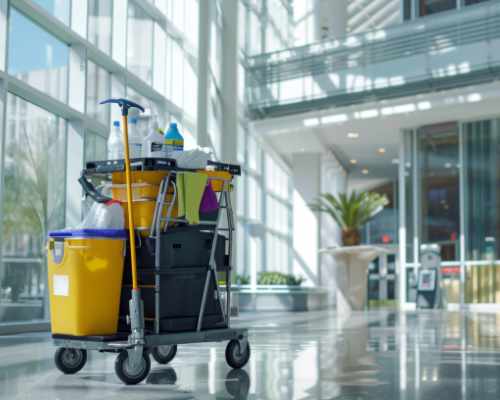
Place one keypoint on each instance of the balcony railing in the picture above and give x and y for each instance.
(440, 52)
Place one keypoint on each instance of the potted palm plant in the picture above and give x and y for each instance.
(351, 212)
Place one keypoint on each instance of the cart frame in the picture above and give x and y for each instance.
(138, 343)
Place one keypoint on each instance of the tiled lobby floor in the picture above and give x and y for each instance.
(374, 355)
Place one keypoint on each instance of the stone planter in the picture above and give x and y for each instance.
(282, 298)
(351, 274)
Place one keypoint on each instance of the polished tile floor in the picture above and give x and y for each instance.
(317, 355)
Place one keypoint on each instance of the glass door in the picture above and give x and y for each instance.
(438, 199)
(482, 211)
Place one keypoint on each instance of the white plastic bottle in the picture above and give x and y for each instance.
(134, 139)
(152, 144)
(115, 142)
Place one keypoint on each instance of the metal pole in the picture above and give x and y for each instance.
(128, 179)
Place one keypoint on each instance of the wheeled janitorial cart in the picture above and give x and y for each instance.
(165, 282)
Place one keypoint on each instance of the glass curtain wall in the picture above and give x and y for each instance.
(40, 145)
(264, 203)
(452, 175)
(33, 203)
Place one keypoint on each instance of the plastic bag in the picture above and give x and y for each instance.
(104, 216)
(190, 159)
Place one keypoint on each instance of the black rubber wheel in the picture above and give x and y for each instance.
(122, 369)
(235, 356)
(164, 354)
(70, 361)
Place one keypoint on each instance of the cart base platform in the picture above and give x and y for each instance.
(120, 341)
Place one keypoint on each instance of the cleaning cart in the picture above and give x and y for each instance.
(176, 281)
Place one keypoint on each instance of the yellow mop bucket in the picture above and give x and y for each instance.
(85, 269)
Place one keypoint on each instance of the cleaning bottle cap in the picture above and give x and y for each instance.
(116, 123)
(173, 125)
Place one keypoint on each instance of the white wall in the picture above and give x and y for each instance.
(315, 173)
(306, 180)
(333, 180)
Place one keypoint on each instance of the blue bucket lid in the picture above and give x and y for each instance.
(90, 233)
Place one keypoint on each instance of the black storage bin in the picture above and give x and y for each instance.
(181, 290)
(185, 254)
(180, 247)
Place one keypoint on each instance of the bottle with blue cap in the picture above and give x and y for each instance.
(134, 139)
(115, 142)
(173, 140)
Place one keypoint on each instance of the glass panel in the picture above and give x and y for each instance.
(407, 9)
(95, 147)
(482, 177)
(428, 7)
(439, 182)
(482, 210)
(482, 283)
(450, 284)
(100, 24)
(254, 199)
(58, 8)
(408, 176)
(383, 228)
(33, 204)
(44, 63)
(470, 2)
(140, 43)
(98, 89)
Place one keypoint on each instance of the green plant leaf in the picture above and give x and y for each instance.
(350, 211)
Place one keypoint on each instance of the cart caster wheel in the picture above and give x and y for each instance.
(237, 357)
(70, 361)
(164, 354)
(126, 374)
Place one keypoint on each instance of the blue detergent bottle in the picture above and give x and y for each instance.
(173, 140)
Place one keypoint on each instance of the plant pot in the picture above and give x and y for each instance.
(351, 237)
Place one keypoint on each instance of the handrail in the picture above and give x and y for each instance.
(421, 42)
(405, 31)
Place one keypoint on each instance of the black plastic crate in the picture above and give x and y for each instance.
(180, 248)
(181, 291)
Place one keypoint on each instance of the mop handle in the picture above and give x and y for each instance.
(125, 105)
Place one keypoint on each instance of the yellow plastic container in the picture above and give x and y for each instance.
(218, 184)
(143, 213)
(151, 177)
(85, 277)
(140, 191)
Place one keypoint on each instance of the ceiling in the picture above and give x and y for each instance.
(378, 125)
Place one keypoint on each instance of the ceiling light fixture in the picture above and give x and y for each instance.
(364, 171)
(353, 135)
(329, 119)
(381, 150)
(353, 161)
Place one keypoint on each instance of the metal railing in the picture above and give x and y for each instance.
(442, 51)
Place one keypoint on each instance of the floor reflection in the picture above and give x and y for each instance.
(373, 355)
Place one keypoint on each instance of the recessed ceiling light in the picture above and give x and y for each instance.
(381, 150)
(334, 118)
(364, 171)
(353, 135)
(353, 161)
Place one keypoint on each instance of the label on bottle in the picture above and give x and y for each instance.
(155, 147)
(173, 145)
